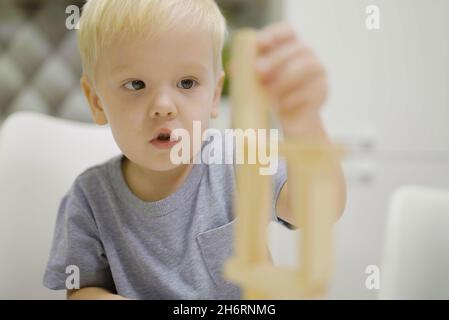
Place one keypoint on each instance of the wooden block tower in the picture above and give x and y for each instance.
(309, 180)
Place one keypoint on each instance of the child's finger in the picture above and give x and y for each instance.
(274, 35)
(276, 59)
(296, 75)
(308, 97)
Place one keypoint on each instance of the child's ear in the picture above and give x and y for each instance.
(217, 95)
(96, 108)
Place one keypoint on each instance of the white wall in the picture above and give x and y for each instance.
(390, 89)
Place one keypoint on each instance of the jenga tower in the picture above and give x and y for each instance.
(309, 180)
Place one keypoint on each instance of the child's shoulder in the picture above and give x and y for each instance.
(99, 171)
(94, 179)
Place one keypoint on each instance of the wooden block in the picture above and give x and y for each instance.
(310, 166)
(253, 197)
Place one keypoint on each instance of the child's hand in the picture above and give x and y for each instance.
(294, 77)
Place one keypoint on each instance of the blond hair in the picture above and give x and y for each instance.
(104, 22)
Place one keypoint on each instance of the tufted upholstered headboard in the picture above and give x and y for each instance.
(39, 60)
(40, 65)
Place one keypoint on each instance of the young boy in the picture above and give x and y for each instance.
(139, 226)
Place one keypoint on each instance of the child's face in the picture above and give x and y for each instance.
(168, 82)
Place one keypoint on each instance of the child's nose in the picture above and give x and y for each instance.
(163, 113)
(163, 107)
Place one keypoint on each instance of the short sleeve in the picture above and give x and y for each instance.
(279, 180)
(76, 242)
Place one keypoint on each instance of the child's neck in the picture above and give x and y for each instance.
(150, 185)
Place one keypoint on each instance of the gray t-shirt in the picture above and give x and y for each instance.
(174, 248)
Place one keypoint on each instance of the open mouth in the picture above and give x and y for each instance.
(164, 139)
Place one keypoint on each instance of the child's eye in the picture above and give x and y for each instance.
(187, 84)
(135, 85)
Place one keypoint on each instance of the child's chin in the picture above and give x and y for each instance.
(164, 166)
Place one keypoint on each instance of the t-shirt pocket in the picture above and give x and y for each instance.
(217, 247)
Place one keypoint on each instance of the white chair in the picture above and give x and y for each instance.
(416, 250)
(40, 157)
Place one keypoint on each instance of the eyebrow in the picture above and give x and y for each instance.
(186, 65)
(195, 65)
(121, 68)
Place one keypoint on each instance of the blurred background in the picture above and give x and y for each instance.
(389, 104)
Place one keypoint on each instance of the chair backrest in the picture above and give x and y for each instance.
(416, 249)
(40, 157)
